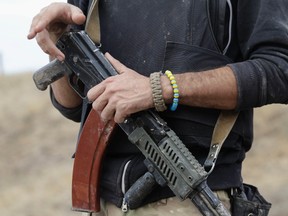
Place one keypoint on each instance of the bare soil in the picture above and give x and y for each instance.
(37, 144)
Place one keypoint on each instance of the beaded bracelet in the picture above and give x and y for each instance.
(174, 105)
(157, 91)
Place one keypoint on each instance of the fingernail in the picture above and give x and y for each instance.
(60, 58)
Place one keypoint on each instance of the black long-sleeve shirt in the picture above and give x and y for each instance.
(259, 48)
(149, 35)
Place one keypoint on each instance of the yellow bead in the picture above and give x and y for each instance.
(172, 78)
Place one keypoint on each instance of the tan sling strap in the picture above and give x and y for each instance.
(93, 22)
(223, 126)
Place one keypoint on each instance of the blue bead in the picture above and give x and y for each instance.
(173, 106)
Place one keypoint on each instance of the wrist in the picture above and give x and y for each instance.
(64, 94)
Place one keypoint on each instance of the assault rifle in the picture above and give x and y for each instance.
(168, 161)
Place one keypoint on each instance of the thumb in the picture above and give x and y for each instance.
(63, 13)
(77, 15)
(119, 67)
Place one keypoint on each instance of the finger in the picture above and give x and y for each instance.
(119, 117)
(77, 16)
(119, 67)
(60, 12)
(99, 104)
(95, 92)
(108, 112)
(48, 46)
(42, 20)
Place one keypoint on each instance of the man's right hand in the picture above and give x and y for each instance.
(50, 23)
(47, 26)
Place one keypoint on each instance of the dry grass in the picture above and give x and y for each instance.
(37, 144)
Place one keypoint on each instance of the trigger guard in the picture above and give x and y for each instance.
(75, 83)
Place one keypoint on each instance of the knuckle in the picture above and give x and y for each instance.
(122, 69)
(96, 106)
(111, 91)
(105, 115)
(40, 40)
(118, 119)
(124, 107)
(110, 79)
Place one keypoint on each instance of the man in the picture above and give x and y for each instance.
(230, 58)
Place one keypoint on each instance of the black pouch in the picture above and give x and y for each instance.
(249, 202)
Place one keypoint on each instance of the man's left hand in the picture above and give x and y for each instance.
(121, 95)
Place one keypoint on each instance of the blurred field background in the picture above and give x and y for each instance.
(37, 143)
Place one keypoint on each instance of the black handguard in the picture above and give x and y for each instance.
(167, 158)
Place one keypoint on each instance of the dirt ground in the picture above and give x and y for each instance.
(37, 143)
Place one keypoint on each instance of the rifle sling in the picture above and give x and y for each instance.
(223, 126)
(92, 26)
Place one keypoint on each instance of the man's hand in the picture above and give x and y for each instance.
(50, 23)
(47, 26)
(121, 95)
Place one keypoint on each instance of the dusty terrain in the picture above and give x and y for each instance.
(37, 143)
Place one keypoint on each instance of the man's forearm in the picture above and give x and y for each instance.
(209, 89)
(64, 94)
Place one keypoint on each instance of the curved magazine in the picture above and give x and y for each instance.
(92, 143)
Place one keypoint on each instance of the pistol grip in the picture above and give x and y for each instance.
(49, 73)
